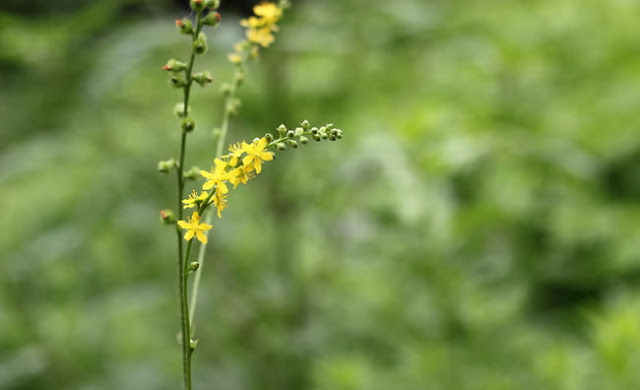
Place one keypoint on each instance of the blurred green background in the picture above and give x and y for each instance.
(477, 228)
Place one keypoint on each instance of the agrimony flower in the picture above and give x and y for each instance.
(216, 177)
(194, 228)
(195, 200)
(256, 154)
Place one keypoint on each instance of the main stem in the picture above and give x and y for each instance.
(183, 275)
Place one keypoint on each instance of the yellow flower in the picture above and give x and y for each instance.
(216, 177)
(220, 201)
(256, 154)
(241, 175)
(194, 199)
(270, 12)
(261, 36)
(252, 22)
(260, 28)
(195, 228)
(234, 58)
(236, 150)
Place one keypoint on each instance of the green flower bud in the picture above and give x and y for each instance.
(239, 78)
(178, 110)
(177, 81)
(329, 126)
(192, 174)
(164, 167)
(184, 26)
(217, 132)
(268, 137)
(304, 140)
(292, 143)
(193, 343)
(212, 19)
(174, 65)
(316, 137)
(299, 131)
(198, 5)
(202, 78)
(282, 129)
(200, 43)
(213, 4)
(194, 265)
(332, 137)
(188, 124)
(281, 146)
(233, 107)
(290, 133)
(167, 217)
(225, 89)
(314, 130)
(305, 124)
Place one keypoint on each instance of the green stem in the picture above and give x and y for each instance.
(183, 261)
(226, 116)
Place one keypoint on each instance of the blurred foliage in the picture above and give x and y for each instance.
(477, 228)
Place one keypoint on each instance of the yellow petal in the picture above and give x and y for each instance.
(189, 235)
(201, 237)
(184, 225)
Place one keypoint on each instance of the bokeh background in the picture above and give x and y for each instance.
(477, 228)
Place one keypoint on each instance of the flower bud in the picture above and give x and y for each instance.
(239, 78)
(290, 133)
(225, 89)
(184, 26)
(194, 265)
(304, 140)
(165, 166)
(316, 137)
(212, 19)
(167, 217)
(192, 174)
(281, 146)
(197, 5)
(178, 110)
(282, 129)
(213, 4)
(329, 126)
(292, 143)
(234, 107)
(299, 131)
(188, 124)
(202, 78)
(193, 344)
(174, 65)
(314, 130)
(332, 137)
(268, 137)
(200, 43)
(305, 124)
(177, 81)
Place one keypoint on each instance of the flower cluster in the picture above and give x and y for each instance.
(237, 167)
(243, 162)
(260, 29)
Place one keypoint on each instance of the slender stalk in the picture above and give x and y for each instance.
(226, 117)
(182, 262)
